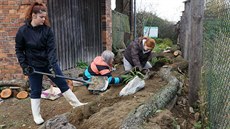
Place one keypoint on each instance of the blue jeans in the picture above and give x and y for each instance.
(36, 81)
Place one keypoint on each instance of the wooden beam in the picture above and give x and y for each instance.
(195, 53)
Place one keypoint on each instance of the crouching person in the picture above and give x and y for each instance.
(102, 66)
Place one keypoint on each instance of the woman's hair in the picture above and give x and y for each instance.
(149, 41)
(107, 55)
(36, 8)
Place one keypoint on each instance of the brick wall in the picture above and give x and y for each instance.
(106, 20)
(12, 17)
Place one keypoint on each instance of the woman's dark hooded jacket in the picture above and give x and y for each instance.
(134, 54)
(35, 46)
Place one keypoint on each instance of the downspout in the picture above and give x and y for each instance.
(135, 34)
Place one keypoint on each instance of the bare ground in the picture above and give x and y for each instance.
(104, 111)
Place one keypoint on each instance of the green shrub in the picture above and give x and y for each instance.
(168, 42)
(158, 40)
(162, 44)
(82, 65)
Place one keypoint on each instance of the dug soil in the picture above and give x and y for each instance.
(103, 111)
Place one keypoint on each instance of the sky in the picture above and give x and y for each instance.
(170, 10)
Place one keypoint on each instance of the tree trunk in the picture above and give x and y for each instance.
(135, 118)
(195, 52)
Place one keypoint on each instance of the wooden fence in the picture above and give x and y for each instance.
(77, 28)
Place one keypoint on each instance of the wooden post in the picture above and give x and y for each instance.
(195, 53)
(187, 31)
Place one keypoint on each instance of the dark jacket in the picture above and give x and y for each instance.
(134, 54)
(35, 46)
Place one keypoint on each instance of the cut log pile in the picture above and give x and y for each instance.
(173, 57)
(13, 91)
(19, 88)
(13, 88)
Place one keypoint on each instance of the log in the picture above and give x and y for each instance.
(14, 82)
(164, 55)
(23, 84)
(6, 93)
(22, 95)
(136, 117)
(14, 92)
(180, 64)
(177, 53)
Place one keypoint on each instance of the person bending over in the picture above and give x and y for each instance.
(138, 54)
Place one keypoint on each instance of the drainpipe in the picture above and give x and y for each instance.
(135, 21)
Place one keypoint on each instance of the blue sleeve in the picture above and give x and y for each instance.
(114, 80)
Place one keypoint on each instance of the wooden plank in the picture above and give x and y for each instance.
(195, 53)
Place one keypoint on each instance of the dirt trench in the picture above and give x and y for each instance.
(104, 111)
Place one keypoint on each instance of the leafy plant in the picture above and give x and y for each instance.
(164, 60)
(162, 44)
(198, 125)
(153, 61)
(131, 74)
(82, 65)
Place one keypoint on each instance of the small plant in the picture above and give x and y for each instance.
(82, 65)
(162, 44)
(198, 125)
(164, 60)
(153, 61)
(131, 74)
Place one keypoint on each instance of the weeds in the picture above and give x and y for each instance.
(81, 65)
(162, 44)
(130, 75)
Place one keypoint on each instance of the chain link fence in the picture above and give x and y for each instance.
(216, 62)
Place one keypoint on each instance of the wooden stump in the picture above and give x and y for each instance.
(6, 93)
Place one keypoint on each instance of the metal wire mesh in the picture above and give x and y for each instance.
(216, 62)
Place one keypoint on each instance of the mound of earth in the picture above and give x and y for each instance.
(104, 111)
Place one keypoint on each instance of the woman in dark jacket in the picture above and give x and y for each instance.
(35, 47)
(138, 53)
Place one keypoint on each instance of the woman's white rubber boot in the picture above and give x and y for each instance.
(35, 106)
(72, 99)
